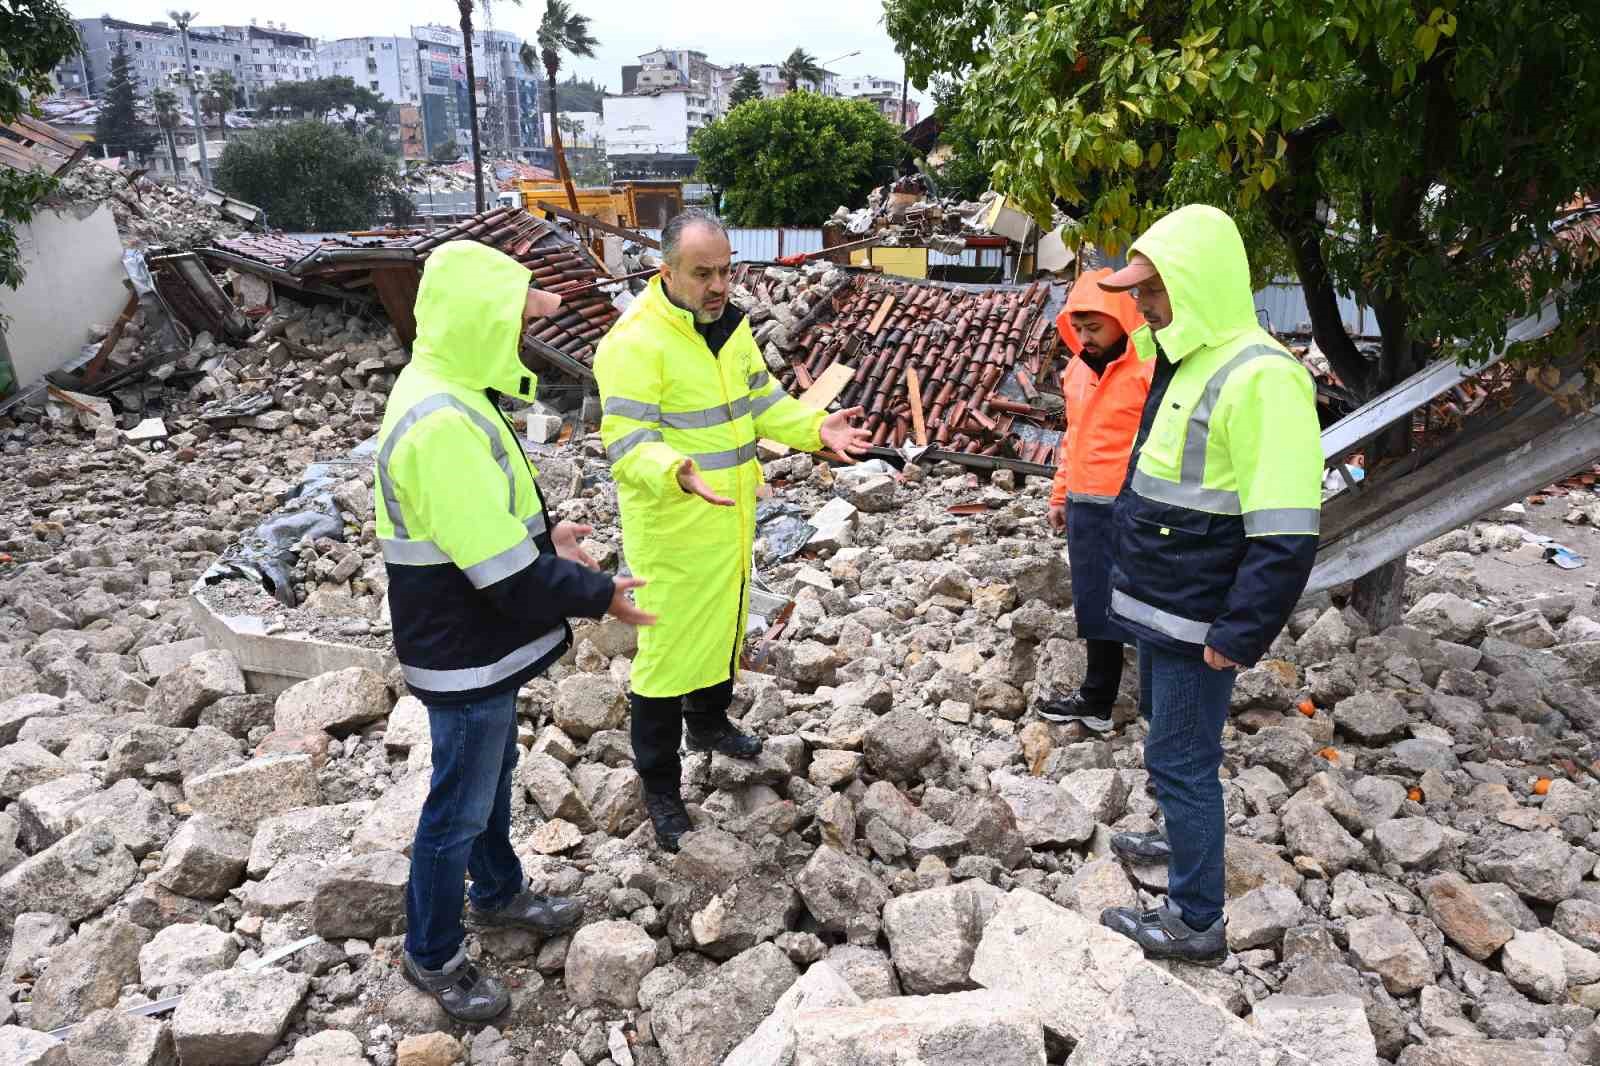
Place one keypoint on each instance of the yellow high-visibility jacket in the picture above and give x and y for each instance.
(669, 394)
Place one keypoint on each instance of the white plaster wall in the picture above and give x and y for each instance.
(74, 281)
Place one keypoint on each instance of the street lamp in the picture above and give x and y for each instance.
(183, 18)
(847, 55)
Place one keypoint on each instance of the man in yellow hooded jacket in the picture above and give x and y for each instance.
(480, 587)
(685, 396)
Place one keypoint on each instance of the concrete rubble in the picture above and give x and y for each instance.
(914, 864)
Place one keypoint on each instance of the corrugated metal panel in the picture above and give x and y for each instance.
(750, 244)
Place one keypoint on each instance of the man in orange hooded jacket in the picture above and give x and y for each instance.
(1105, 386)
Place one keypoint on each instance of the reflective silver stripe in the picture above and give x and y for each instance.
(497, 568)
(725, 460)
(759, 380)
(1175, 626)
(766, 403)
(1194, 497)
(1089, 497)
(412, 553)
(426, 407)
(535, 525)
(627, 444)
(719, 415)
(639, 412)
(1283, 521)
(472, 677)
(1198, 436)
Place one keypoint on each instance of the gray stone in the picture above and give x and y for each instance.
(1471, 1051)
(838, 887)
(588, 703)
(130, 752)
(606, 962)
(1287, 751)
(76, 877)
(1370, 717)
(773, 1042)
(1386, 945)
(1540, 866)
(868, 970)
(1314, 833)
(159, 660)
(336, 702)
(1463, 917)
(1047, 814)
(1419, 756)
(311, 832)
(29, 1047)
(1536, 965)
(1448, 617)
(32, 937)
(1413, 843)
(245, 795)
(179, 955)
(207, 748)
(990, 829)
(233, 1018)
(1380, 799)
(363, 897)
(1099, 884)
(206, 678)
(204, 859)
(934, 933)
(1327, 791)
(1073, 964)
(43, 811)
(140, 821)
(112, 1038)
(25, 765)
(1250, 864)
(706, 1019)
(1259, 918)
(1579, 921)
(238, 715)
(1327, 1030)
(87, 973)
(992, 1028)
(898, 745)
(1327, 637)
(552, 788)
(19, 710)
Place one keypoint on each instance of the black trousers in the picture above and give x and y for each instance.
(657, 730)
(1103, 678)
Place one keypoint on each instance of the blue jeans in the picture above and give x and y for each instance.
(465, 825)
(1186, 704)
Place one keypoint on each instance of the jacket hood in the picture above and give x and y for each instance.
(469, 319)
(1087, 295)
(1202, 262)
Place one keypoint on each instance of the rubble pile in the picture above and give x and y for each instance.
(498, 174)
(148, 213)
(911, 871)
(980, 354)
(906, 213)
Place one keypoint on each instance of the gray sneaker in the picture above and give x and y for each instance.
(1142, 847)
(1163, 934)
(465, 993)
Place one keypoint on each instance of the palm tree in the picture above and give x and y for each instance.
(465, 7)
(165, 105)
(801, 66)
(560, 30)
(221, 97)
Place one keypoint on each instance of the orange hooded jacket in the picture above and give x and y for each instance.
(1103, 410)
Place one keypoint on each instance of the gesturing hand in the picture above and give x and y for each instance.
(1058, 517)
(566, 536)
(846, 441)
(1218, 661)
(624, 609)
(690, 481)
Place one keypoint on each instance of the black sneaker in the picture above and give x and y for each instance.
(669, 817)
(729, 741)
(1142, 847)
(545, 915)
(1163, 934)
(466, 994)
(1075, 708)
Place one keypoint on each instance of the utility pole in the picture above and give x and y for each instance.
(905, 92)
(183, 18)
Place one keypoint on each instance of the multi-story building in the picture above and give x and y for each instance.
(883, 94)
(387, 66)
(155, 54)
(273, 54)
(670, 68)
(655, 123)
(508, 93)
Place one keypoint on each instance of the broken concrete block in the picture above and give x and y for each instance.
(336, 702)
(1327, 1030)
(233, 1018)
(244, 795)
(76, 877)
(993, 1028)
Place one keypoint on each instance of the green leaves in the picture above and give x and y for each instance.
(309, 176)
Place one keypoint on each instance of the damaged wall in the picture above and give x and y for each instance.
(73, 260)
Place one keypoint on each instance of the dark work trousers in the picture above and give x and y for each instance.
(1103, 678)
(657, 730)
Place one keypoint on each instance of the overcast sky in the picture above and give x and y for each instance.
(728, 31)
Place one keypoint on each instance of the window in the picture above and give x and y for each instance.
(374, 87)
(138, 46)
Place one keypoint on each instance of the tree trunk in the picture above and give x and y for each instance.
(172, 152)
(561, 156)
(472, 101)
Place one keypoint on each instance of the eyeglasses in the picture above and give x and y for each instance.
(1139, 292)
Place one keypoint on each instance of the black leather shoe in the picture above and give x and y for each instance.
(1163, 934)
(1142, 847)
(545, 915)
(669, 817)
(1075, 708)
(466, 994)
(728, 742)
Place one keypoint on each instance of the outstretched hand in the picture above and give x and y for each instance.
(625, 610)
(843, 439)
(566, 537)
(690, 481)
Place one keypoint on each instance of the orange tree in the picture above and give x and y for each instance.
(1416, 154)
